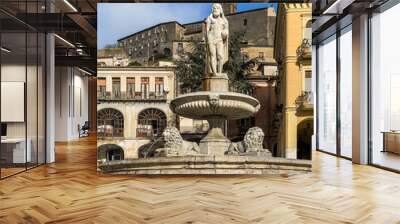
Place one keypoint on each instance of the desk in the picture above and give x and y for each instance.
(391, 142)
(13, 150)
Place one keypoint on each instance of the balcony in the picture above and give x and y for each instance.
(101, 95)
(304, 50)
(137, 96)
(144, 132)
(305, 101)
(147, 131)
(109, 131)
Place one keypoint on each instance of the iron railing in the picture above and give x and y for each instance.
(121, 96)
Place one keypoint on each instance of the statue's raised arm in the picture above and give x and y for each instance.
(217, 32)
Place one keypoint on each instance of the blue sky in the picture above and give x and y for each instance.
(116, 20)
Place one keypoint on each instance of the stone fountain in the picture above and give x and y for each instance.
(215, 154)
(216, 104)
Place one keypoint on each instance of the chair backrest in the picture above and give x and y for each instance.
(86, 125)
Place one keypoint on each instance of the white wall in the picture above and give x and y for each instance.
(17, 73)
(14, 73)
(71, 102)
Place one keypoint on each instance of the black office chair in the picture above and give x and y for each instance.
(84, 130)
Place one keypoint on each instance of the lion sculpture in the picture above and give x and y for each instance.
(252, 142)
(174, 145)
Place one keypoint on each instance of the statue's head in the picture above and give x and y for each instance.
(217, 10)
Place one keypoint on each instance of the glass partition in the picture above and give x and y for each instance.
(22, 101)
(346, 92)
(327, 95)
(385, 89)
(13, 86)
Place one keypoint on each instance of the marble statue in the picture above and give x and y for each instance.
(217, 32)
(174, 145)
(252, 142)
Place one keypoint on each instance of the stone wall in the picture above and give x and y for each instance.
(259, 26)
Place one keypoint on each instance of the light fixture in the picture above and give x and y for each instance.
(5, 50)
(70, 5)
(86, 72)
(79, 51)
(64, 40)
(337, 7)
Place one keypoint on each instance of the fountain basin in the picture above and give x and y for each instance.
(179, 165)
(207, 104)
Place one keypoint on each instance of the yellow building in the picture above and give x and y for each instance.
(294, 115)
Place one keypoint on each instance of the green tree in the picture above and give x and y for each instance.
(237, 64)
(190, 68)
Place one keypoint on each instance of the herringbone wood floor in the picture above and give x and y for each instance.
(70, 191)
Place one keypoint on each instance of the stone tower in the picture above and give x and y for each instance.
(229, 8)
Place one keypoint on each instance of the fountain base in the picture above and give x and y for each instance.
(207, 165)
(214, 146)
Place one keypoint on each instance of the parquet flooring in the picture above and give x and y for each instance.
(11, 170)
(71, 191)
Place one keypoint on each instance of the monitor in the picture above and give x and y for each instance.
(3, 129)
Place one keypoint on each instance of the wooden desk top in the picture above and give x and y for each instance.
(13, 140)
(391, 132)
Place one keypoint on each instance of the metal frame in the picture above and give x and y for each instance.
(338, 97)
(316, 97)
(369, 98)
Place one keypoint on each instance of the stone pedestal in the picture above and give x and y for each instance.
(217, 83)
(215, 143)
(216, 147)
